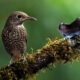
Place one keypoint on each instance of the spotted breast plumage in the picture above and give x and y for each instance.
(14, 35)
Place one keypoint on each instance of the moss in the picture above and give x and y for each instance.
(57, 51)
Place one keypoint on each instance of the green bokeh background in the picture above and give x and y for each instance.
(50, 13)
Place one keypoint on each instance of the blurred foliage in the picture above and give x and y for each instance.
(50, 13)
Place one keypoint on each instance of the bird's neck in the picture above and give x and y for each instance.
(11, 26)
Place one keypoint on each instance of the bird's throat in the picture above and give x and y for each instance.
(20, 26)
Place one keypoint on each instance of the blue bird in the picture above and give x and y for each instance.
(70, 30)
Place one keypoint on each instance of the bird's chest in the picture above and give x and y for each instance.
(16, 34)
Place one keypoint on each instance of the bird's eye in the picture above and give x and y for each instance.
(19, 16)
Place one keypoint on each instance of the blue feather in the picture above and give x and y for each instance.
(70, 35)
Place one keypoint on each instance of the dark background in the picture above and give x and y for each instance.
(50, 13)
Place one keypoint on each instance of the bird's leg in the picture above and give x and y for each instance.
(10, 62)
(13, 59)
(23, 58)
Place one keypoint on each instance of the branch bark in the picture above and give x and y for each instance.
(57, 51)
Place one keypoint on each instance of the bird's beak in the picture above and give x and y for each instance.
(31, 18)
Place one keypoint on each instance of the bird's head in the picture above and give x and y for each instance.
(18, 17)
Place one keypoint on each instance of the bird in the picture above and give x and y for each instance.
(14, 35)
(70, 30)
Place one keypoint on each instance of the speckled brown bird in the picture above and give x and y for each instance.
(14, 35)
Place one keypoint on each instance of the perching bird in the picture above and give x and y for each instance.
(70, 30)
(14, 35)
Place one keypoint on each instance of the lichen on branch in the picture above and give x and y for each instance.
(57, 51)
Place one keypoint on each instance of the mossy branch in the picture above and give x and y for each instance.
(57, 51)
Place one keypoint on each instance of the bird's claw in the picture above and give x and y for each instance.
(23, 59)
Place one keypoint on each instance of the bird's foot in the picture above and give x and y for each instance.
(23, 59)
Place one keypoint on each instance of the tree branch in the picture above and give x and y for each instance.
(57, 51)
